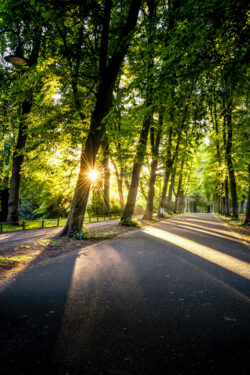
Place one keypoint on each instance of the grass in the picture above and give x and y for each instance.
(130, 223)
(231, 221)
(97, 236)
(237, 226)
(49, 223)
(10, 262)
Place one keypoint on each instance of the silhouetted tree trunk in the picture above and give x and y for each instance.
(18, 158)
(168, 166)
(179, 194)
(214, 117)
(4, 196)
(170, 191)
(227, 200)
(106, 178)
(142, 190)
(18, 155)
(141, 147)
(247, 219)
(4, 190)
(155, 144)
(228, 156)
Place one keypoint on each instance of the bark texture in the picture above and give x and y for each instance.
(18, 158)
(228, 156)
(170, 192)
(141, 147)
(106, 178)
(155, 144)
(18, 155)
(179, 199)
(247, 219)
(227, 200)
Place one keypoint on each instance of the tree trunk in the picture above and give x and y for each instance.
(215, 122)
(4, 191)
(4, 196)
(87, 162)
(170, 192)
(179, 194)
(169, 165)
(141, 148)
(155, 145)
(148, 215)
(18, 155)
(247, 219)
(17, 162)
(142, 144)
(106, 178)
(230, 166)
(162, 203)
(227, 200)
(142, 190)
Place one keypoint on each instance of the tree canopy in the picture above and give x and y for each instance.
(151, 94)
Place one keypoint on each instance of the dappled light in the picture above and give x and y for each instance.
(88, 293)
(212, 255)
(212, 231)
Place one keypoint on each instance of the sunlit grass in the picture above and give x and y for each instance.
(10, 262)
(237, 222)
(50, 223)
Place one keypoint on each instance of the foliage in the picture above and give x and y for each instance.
(130, 223)
(198, 78)
(80, 235)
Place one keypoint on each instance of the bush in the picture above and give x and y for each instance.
(130, 223)
(80, 235)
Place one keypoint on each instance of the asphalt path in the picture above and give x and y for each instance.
(171, 299)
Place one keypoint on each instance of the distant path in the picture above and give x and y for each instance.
(172, 299)
(22, 237)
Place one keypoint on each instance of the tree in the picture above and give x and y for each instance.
(155, 138)
(149, 110)
(110, 59)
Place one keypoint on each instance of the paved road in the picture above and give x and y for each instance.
(174, 299)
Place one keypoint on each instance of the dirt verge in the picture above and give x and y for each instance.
(17, 257)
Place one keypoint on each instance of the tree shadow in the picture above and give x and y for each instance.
(134, 305)
(31, 308)
(221, 236)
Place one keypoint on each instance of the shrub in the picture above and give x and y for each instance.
(130, 223)
(81, 234)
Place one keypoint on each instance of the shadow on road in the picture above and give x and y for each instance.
(31, 312)
(169, 299)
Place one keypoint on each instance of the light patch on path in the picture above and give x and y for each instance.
(223, 260)
(88, 301)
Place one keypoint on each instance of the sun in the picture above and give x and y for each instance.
(93, 175)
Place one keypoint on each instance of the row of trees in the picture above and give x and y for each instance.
(131, 85)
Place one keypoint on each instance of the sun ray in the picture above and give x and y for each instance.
(212, 255)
